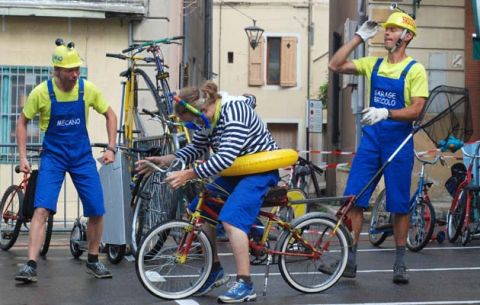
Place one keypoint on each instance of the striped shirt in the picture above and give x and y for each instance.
(239, 131)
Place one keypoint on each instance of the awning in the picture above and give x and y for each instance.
(68, 8)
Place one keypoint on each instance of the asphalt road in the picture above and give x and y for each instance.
(440, 274)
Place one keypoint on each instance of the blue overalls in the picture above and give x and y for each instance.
(378, 143)
(66, 148)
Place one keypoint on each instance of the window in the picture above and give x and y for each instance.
(16, 82)
(280, 62)
(230, 57)
(273, 61)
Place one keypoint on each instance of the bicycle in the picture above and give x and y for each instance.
(175, 258)
(129, 116)
(463, 216)
(139, 189)
(12, 218)
(422, 214)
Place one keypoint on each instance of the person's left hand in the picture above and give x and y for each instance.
(108, 157)
(179, 178)
(372, 115)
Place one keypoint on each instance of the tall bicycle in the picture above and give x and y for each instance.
(463, 217)
(422, 214)
(129, 118)
(175, 258)
(12, 217)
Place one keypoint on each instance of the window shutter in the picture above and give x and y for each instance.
(255, 64)
(288, 62)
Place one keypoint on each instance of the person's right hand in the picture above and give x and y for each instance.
(368, 29)
(25, 165)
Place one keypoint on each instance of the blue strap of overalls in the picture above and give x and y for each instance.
(51, 92)
(404, 72)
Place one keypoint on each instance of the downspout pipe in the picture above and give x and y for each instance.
(362, 17)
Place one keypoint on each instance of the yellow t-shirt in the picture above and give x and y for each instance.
(39, 101)
(416, 84)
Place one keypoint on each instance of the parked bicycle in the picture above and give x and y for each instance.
(175, 258)
(422, 213)
(130, 120)
(463, 217)
(11, 207)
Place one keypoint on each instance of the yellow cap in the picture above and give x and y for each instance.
(401, 20)
(65, 57)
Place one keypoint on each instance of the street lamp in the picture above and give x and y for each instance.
(254, 33)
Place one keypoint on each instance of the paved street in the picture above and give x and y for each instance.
(440, 274)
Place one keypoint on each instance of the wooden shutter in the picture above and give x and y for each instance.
(255, 64)
(288, 62)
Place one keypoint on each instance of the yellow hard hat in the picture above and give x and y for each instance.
(65, 56)
(401, 20)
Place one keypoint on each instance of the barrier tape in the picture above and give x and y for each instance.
(328, 152)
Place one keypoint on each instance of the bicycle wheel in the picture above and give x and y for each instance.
(160, 100)
(77, 236)
(379, 218)
(456, 218)
(116, 253)
(48, 236)
(168, 266)
(10, 222)
(422, 224)
(156, 203)
(302, 272)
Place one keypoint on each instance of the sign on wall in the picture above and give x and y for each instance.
(315, 116)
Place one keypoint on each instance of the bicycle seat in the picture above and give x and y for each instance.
(276, 196)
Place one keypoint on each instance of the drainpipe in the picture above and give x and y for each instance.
(309, 58)
(362, 17)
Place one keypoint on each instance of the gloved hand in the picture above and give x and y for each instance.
(368, 29)
(372, 115)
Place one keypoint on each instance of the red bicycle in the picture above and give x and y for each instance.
(463, 216)
(11, 207)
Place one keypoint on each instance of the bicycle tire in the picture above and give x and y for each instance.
(115, 253)
(13, 222)
(422, 225)
(308, 279)
(456, 218)
(77, 235)
(159, 102)
(379, 216)
(156, 203)
(158, 262)
(48, 236)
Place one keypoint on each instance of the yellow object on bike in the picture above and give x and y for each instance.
(65, 57)
(261, 162)
(401, 20)
(298, 209)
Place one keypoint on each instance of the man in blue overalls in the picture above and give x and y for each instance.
(398, 91)
(63, 104)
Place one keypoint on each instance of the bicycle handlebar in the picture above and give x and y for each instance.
(153, 42)
(120, 56)
(170, 168)
(439, 157)
(150, 150)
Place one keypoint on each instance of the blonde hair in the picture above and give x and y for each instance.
(198, 97)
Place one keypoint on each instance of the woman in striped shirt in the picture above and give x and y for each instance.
(235, 130)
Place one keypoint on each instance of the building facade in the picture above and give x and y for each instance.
(442, 45)
(28, 30)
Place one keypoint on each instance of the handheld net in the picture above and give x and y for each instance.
(446, 115)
